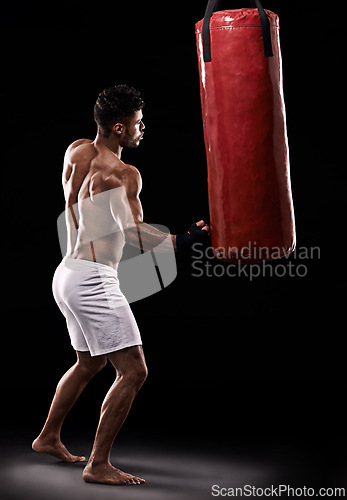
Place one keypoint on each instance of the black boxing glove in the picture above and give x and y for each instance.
(185, 242)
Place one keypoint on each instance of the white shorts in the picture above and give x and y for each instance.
(98, 316)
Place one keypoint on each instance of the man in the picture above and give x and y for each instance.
(103, 211)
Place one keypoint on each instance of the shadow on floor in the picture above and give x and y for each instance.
(179, 472)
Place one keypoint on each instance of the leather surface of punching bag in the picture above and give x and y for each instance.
(241, 90)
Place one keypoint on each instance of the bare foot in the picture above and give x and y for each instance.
(107, 474)
(55, 448)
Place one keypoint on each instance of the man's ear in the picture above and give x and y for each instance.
(118, 128)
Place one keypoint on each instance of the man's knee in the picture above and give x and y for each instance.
(130, 365)
(135, 374)
(138, 374)
(89, 365)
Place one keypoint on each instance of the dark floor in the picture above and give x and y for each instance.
(174, 470)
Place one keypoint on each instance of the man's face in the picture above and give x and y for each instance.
(133, 131)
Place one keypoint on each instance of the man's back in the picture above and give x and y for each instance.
(94, 233)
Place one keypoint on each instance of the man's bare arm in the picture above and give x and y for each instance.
(127, 210)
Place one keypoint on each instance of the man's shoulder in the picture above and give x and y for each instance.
(81, 151)
(131, 172)
(121, 175)
(80, 148)
(79, 142)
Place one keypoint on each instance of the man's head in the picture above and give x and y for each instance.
(118, 110)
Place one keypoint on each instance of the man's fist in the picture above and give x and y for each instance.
(198, 232)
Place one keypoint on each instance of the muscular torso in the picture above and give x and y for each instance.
(92, 175)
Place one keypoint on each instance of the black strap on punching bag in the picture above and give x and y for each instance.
(213, 6)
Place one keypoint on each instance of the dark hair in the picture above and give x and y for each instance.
(116, 104)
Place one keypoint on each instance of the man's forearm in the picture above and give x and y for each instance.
(147, 237)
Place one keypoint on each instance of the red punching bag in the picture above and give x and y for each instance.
(240, 70)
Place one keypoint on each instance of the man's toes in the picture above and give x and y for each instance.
(133, 480)
(139, 480)
(72, 458)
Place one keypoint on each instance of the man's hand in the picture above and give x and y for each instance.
(198, 232)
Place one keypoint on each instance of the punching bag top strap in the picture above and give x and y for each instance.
(213, 6)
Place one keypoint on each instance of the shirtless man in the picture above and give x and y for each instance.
(103, 211)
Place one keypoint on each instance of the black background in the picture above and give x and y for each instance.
(229, 359)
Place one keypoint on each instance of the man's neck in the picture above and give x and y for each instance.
(110, 142)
